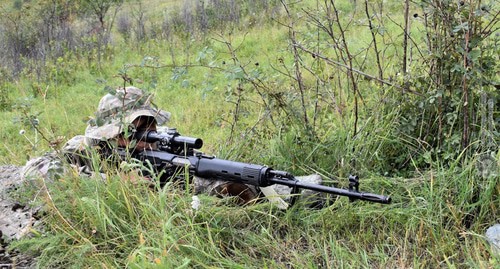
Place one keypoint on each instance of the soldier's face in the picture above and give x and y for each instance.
(143, 123)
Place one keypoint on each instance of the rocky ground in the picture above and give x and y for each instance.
(15, 220)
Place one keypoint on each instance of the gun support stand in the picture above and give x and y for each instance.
(353, 185)
(294, 194)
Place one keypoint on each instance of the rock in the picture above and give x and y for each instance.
(493, 237)
(15, 220)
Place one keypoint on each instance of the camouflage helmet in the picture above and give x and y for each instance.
(117, 111)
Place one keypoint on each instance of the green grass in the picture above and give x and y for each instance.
(115, 223)
(439, 214)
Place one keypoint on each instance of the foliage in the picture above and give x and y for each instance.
(324, 87)
(5, 88)
(457, 80)
(121, 222)
(99, 9)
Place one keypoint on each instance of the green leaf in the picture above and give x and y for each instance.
(474, 55)
(462, 27)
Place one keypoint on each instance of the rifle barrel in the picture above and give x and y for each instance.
(366, 196)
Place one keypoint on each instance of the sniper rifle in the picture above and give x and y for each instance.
(176, 152)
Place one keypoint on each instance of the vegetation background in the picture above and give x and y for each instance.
(404, 94)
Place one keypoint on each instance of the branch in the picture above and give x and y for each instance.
(330, 61)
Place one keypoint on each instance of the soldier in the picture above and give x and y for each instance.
(119, 114)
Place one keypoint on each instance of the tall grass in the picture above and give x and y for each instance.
(238, 85)
(117, 223)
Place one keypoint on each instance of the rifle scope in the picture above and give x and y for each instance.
(170, 138)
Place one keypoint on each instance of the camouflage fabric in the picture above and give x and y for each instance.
(52, 164)
(116, 112)
(277, 194)
(221, 188)
(309, 197)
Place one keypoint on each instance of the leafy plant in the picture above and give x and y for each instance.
(455, 80)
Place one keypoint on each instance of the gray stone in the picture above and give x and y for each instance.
(493, 237)
(16, 219)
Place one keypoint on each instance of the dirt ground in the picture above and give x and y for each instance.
(15, 220)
